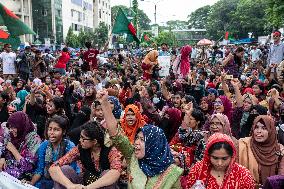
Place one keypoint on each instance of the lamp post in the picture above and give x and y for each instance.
(155, 8)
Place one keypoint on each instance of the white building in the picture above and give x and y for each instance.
(77, 14)
(23, 9)
(102, 12)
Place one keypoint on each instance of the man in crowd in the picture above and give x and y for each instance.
(8, 58)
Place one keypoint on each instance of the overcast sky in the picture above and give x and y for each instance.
(167, 9)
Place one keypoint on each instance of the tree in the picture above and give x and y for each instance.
(143, 19)
(198, 18)
(248, 17)
(166, 37)
(275, 14)
(177, 24)
(101, 34)
(71, 39)
(135, 10)
(220, 18)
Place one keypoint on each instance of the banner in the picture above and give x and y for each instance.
(164, 63)
(8, 182)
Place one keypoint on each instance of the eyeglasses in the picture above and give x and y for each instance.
(218, 103)
(83, 138)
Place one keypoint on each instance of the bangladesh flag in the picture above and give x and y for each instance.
(13, 23)
(122, 25)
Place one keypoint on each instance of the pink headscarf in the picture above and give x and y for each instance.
(184, 60)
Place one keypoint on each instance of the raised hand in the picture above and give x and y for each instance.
(102, 96)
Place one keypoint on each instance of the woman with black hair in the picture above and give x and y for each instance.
(233, 62)
(51, 150)
(101, 166)
(55, 106)
(218, 168)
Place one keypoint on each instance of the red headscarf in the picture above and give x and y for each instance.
(130, 131)
(236, 176)
(184, 60)
(175, 121)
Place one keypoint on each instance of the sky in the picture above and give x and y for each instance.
(167, 9)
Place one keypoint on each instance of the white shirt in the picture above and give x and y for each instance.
(8, 60)
(255, 54)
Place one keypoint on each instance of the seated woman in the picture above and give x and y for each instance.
(20, 156)
(219, 123)
(101, 166)
(188, 144)
(51, 150)
(149, 64)
(151, 164)
(131, 121)
(263, 150)
(218, 168)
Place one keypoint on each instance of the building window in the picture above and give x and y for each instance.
(44, 12)
(100, 13)
(79, 16)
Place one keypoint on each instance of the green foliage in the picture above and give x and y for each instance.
(199, 18)
(136, 15)
(143, 19)
(275, 13)
(71, 39)
(99, 36)
(239, 17)
(249, 17)
(166, 37)
(220, 18)
(177, 24)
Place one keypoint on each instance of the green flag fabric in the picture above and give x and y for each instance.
(14, 41)
(13, 23)
(123, 25)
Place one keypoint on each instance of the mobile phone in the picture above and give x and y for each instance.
(229, 77)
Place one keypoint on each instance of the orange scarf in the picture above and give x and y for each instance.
(130, 131)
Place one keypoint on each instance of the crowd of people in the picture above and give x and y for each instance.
(106, 119)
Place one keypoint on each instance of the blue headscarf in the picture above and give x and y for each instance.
(117, 107)
(22, 94)
(158, 156)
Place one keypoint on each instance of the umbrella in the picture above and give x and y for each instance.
(204, 42)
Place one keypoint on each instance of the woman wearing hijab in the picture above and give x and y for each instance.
(218, 168)
(20, 155)
(149, 63)
(219, 123)
(151, 164)
(170, 122)
(22, 94)
(131, 121)
(255, 111)
(261, 153)
(116, 110)
(183, 65)
(242, 109)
